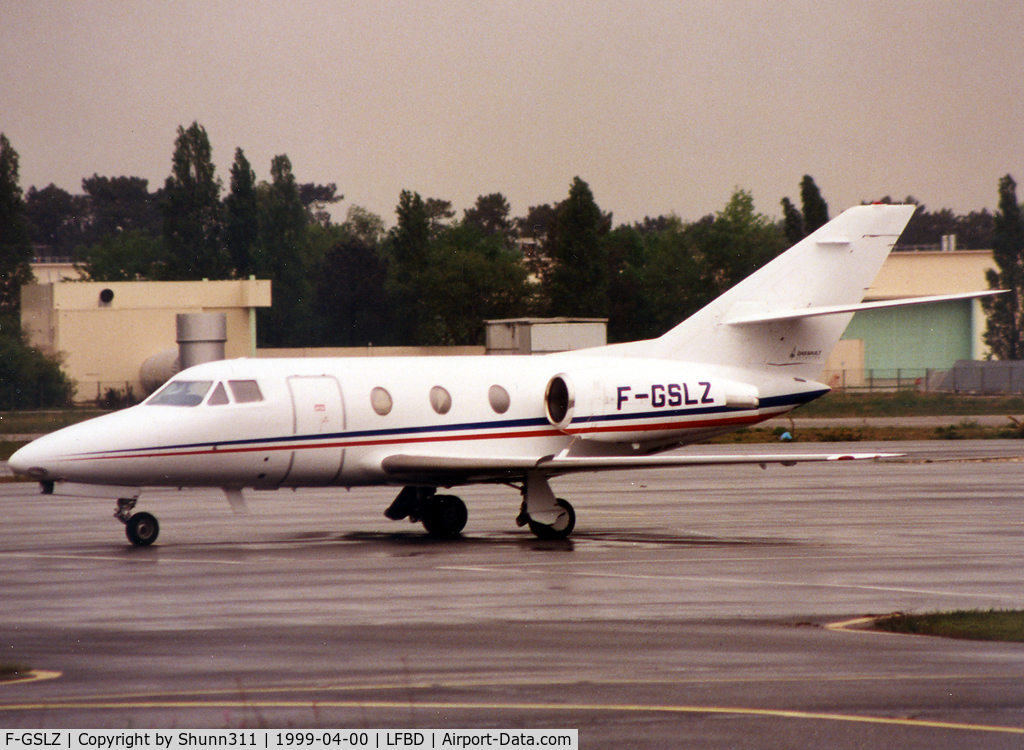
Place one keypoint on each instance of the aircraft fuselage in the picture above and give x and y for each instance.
(285, 423)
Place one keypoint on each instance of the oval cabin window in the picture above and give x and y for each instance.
(499, 399)
(381, 402)
(440, 399)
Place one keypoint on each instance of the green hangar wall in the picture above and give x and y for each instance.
(914, 342)
(916, 338)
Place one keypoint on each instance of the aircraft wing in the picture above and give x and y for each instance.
(455, 469)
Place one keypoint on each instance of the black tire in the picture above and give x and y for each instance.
(142, 529)
(444, 516)
(561, 528)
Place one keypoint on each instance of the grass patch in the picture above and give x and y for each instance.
(7, 448)
(962, 431)
(909, 403)
(40, 422)
(13, 671)
(975, 625)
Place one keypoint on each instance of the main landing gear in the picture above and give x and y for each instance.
(141, 529)
(444, 516)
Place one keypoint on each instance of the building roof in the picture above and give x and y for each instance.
(920, 274)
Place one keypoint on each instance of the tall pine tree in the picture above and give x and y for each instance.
(1005, 331)
(15, 244)
(577, 283)
(408, 250)
(192, 211)
(241, 217)
(815, 207)
(27, 378)
(792, 222)
(282, 254)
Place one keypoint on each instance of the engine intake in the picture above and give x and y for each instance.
(559, 401)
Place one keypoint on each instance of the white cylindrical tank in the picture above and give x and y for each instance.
(158, 369)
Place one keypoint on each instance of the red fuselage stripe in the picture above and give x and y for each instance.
(353, 443)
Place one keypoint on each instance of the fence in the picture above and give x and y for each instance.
(882, 380)
(985, 378)
(107, 395)
(966, 377)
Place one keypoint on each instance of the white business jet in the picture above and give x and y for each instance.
(440, 422)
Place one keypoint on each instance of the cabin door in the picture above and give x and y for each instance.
(319, 423)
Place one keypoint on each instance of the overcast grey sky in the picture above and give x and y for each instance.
(661, 106)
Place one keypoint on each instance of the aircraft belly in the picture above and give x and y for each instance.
(215, 468)
(228, 467)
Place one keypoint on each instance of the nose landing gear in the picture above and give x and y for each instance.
(548, 517)
(141, 529)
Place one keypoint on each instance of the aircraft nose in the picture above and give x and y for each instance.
(31, 461)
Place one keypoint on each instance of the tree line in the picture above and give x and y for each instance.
(432, 278)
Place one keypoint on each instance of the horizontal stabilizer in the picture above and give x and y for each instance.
(746, 318)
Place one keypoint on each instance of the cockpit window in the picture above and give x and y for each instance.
(219, 397)
(245, 391)
(181, 393)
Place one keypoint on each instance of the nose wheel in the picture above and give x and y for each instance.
(141, 529)
(562, 525)
(548, 517)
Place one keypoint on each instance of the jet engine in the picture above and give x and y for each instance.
(651, 402)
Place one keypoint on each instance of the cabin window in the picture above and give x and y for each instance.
(181, 393)
(245, 391)
(381, 402)
(440, 399)
(499, 399)
(219, 397)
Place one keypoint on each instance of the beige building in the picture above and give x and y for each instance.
(104, 332)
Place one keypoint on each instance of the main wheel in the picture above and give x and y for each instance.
(142, 529)
(564, 523)
(444, 516)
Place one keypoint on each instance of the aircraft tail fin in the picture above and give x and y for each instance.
(789, 315)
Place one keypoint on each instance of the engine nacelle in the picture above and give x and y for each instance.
(645, 402)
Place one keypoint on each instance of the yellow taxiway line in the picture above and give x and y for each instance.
(320, 705)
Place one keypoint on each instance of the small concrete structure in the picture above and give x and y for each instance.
(545, 335)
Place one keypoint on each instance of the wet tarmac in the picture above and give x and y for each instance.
(688, 608)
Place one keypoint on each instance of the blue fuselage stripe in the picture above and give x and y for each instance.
(507, 427)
